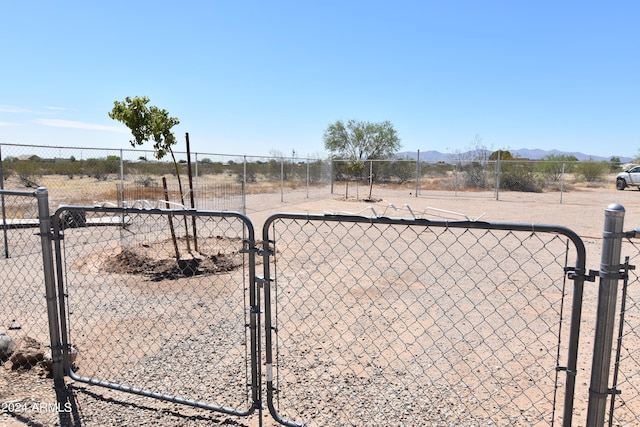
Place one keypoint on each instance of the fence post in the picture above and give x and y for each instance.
(497, 177)
(307, 178)
(42, 195)
(562, 183)
(4, 217)
(606, 312)
(244, 184)
(282, 179)
(331, 172)
(418, 173)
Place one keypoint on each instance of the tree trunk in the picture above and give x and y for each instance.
(186, 224)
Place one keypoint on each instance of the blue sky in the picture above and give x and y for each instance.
(254, 78)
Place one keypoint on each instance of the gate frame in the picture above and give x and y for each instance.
(254, 304)
(44, 225)
(577, 274)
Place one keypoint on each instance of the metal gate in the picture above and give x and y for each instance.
(367, 321)
(29, 312)
(378, 321)
(160, 303)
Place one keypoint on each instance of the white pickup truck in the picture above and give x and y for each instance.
(629, 178)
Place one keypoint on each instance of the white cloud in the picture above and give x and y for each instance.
(48, 107)
(79, 125)
(13, 109)
(8, 124)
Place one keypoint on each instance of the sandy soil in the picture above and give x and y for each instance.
(581, 210)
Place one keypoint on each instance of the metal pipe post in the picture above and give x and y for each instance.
(57, 367)
(418, 174)
(244, 185)
(4, 213)
(606, 313)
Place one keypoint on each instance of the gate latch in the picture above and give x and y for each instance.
(589, 277)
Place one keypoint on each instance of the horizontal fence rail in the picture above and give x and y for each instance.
(374, 321)
(160, 303)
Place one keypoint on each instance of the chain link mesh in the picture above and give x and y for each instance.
(375, 321)
(626, 404)
(153, 307)
(395, 324)
(23, 317)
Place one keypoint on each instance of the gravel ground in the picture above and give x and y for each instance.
(28, 397)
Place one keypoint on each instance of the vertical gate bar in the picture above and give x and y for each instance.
(607, 296)
(574, 335)
(64, 335)
(254, 322)
(42, 195)
(268, 327)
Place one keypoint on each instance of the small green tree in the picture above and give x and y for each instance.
(503, 154)
(147, 124)
(403, 169)
(150, 124)
(614, 164)
(357, 141)
(554, 165)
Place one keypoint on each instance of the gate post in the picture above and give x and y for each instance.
(42, 195)
(606, 312)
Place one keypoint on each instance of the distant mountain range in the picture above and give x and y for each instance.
(523, 153)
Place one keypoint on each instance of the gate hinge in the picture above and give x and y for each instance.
(270, 248)
(51, 234)
(261, 280)
(610, 391)
(565, 369)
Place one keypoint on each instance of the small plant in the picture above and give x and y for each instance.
(592, 171)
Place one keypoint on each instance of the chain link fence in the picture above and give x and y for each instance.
(382, 322)
(134, 178)
(367, 320)
(471, 177)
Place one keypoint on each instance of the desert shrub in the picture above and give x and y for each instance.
(475, 175)
(404, 170)
(520, 178)
(592, 171)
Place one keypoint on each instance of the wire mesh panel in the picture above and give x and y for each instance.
(375, 321)
(24, 327)
(625, 409)
(159, 303)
